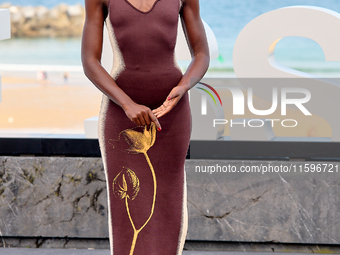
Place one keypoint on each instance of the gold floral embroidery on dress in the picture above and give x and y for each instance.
(126, 183)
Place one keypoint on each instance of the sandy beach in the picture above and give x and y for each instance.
(48, 106)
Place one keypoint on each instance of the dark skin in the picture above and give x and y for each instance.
(92, 40)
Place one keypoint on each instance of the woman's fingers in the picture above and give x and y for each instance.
(141, 115)
(159, 110)
(156, 110)
(155, 120)
(163, 110)
(166, 107)
(146, 117)
(137, 121)
(160, 114)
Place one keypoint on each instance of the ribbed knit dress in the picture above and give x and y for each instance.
(144, 168)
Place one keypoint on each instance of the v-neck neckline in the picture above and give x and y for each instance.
(144, 12)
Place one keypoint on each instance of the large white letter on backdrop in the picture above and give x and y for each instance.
(253, 55)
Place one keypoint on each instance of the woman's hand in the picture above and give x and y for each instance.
(141, 115)
(173, 98)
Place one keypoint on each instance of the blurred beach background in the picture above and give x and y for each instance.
(45, 91)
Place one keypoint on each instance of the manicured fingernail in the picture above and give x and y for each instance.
(159, 129)
(169, 98)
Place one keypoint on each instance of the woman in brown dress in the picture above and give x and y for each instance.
(145, 121)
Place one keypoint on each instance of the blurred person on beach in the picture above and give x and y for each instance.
(66, 76)
(42, 77)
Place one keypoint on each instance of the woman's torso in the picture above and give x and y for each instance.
(146, 43)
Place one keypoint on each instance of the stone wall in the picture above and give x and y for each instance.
(60, 21)
(61, 196)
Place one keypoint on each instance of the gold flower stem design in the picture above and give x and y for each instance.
(154, 188)
(136, 231)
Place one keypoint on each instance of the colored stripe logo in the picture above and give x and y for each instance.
(210, 91)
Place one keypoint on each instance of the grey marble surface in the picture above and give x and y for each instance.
(52, 196)
(292, 207)
(58, 197)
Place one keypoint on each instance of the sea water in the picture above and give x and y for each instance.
(225, 17)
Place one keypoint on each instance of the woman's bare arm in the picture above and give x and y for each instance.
(194, 30)
(91, 50)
